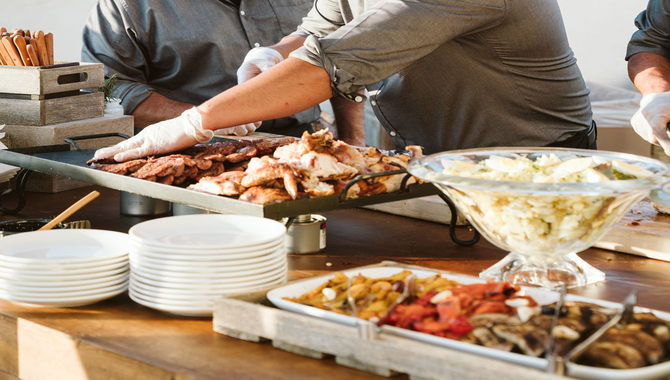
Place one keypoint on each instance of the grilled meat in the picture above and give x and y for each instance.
(118, 167)
(612, 355)
(227, 183)
(265, 196)
(530, 339)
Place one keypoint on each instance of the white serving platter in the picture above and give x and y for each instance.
(298, 288)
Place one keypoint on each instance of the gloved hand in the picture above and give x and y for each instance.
(240, 130)
(164, 137)
(256, 61)
(651, 120)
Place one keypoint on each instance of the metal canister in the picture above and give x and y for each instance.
(140, 205)
(307, 234)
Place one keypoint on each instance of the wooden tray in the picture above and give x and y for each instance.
(252, 317)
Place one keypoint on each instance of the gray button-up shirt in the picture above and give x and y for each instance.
(653, 34)
(188, 51)
(451, 74)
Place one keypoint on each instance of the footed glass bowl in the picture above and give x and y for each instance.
(529, 202)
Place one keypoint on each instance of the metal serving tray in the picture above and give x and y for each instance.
(72, 164)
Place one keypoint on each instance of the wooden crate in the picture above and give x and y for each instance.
(37, 96)
(253, 318)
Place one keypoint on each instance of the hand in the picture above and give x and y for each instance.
(257, 61)
(240, 130)
(651, 120)
(164, 137)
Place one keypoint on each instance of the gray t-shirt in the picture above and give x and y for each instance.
(653, 34)
(188, 51)
(450, 74)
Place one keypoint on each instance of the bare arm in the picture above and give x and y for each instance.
(649, 72)
(157, 108)
(350, 120)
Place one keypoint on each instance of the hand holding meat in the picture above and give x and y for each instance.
(257, 61)
(651, 120)
(167, 136)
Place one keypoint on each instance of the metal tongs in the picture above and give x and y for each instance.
(369, 330)
(557, 364)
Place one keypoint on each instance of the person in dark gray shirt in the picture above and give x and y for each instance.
(446, 74)
(170, 55)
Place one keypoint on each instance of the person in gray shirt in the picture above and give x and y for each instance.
(446, 74)
(648, 57)
(170, 55)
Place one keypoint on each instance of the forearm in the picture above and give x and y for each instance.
(649, 72)
(288, 88)
(157, 108)
(350, 120)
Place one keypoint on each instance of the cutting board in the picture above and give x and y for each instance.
(642, 231)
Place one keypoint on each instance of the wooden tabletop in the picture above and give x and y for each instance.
(119, 339)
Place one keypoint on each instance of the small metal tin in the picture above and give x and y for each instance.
(307, 234)
(140, 205)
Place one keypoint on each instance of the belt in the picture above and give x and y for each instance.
(585, 139)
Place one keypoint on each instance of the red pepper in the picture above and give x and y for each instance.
(492, 307)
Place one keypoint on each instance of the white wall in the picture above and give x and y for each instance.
(64, 18)
(598, 30)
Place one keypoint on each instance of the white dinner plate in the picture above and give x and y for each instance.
(170, 293)
(218, 280)
(62, 272)
(207, 251)
(64, 246)
(56, 288)
(65, 282)
(543, 297)
(212, 231)
(281, 250)
(66, 294)
(207, 266)
(47, 265)
(207, 302)
(60, 278)
(185, 311)
(205, 287)
(63, 302)
(213, 273)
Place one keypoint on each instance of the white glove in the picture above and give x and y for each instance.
(240, 130)
(164, 137)
(651, 120)
(257, 61)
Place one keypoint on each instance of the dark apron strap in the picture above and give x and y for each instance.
(583, 140)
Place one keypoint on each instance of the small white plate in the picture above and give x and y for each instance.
(223, 259)
(213, 231)
(65, 282)
(60, 278)
(66, 294)
(47, 266)
(185, 311)
(213, 273)
(64, 246)
(188, 294)
(204, 287)
(218, 281)
(195, 303)
(242, 251)
(48, 288)
(62, 272)
(63, 302)
(205, 266)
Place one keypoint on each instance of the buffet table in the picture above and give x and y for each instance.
(119, 339)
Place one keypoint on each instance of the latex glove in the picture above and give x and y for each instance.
(164, 137)
(257, 61)
(240, 130)
(651, 120)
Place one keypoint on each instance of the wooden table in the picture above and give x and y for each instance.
(119, 339)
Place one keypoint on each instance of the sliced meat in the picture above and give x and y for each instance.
(612, 355)
(265, 196)
(530, 339)
(488, 320)
(648, 346)
(227, 183)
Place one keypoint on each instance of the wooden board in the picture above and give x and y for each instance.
(642, 231)
(50, 80)
(252, 317)
(41, 112)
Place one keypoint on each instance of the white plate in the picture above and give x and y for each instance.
(64, 246)
(185, 311)
(168, 293)
(49, 288)
(65, 294)
(212, 231)
(63, 302)
(203, 251)
(60, 278)
(205, 287)
(62, 272)
(205, 266)
(223, 259)
(195, 303)
(64, 283)
(218, 281)
(213, 273)
(47, 266)
(298, 288)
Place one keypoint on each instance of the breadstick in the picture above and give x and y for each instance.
(49, 39)
(32, 53)
(11, 50)
(41, 46)
(20, 43)
(5, 55)
(27, 34)
(3, 29)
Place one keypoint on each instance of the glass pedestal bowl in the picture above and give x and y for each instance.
(542, 224)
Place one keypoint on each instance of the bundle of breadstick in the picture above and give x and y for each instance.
(21, 48)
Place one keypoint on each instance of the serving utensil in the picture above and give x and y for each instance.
(70, 210)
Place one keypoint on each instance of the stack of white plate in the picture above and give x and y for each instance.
(63, 268)
(181, 264)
